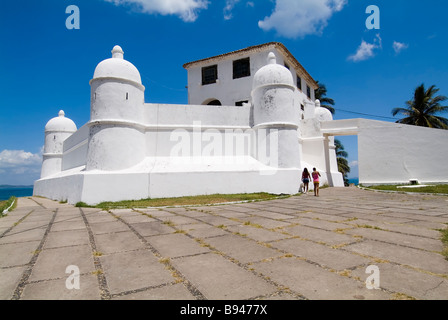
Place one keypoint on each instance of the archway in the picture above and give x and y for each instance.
(212, 102)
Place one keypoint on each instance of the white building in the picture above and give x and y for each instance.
(251, 125)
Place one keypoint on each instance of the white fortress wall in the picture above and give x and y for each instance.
(396, 153)
(75, 149)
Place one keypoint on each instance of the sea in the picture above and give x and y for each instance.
(7, 192)
(355, 181)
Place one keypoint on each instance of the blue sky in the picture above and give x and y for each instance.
(45, 67)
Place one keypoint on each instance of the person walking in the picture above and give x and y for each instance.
(315, 174)
(306, 180)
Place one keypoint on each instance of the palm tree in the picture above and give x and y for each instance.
(341, 155)
(422, 109)
(321, 94)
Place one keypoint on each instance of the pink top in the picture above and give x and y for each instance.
(315, 175)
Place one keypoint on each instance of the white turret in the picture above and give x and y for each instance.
(56, 131)
(117, 99)
(275, 116)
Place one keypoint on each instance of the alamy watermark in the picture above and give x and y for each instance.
(73, 21)
(225, 146)
(373, 20)
(373, 281)
(73, 281)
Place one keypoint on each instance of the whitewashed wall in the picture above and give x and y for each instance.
(392, 153)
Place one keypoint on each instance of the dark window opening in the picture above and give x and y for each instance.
(302, 107)
(240, 103)
(214, 103)
(286, 66)
(209, 74)
(299, 83)
(241, 68)
(308, 91)
(127, 95)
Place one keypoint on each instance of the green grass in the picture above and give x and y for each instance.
(439, 188)
(6, 203)
(444, 238)
(181, 201)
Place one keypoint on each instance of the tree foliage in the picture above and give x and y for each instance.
(423, 109)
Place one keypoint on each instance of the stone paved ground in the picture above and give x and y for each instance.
(302, 247)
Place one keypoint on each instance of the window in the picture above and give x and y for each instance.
(241, 68)
(240, 103)
(286, 66)
(302, 107)
(308, 91)
(209, 74)
(299, 83)
(214, 103)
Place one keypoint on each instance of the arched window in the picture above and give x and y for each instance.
(214, 102)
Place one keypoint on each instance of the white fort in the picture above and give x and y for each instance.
(251, 125)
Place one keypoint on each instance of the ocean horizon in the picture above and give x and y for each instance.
(7, 192)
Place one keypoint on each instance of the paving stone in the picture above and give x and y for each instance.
(169, 292)
(152, 228)
(176, 245)
(66, 238)
(108, 227)
(219, 279)
(318, 235)
(273, 215)
(204, 231)
(321, 254)
(398, 238)
(117, 241)
(376, 217)
(24, 234)
(100, 217)
(179, 220)
(321, 216)
(241, 249)
(9, 279)
(157, 213)
(218, 221)
(398, 227)
(315, 283)
(136, 218)
(127, 271)
(52, 263)
(232, 214)
(265, 222)
(410, 282)
(425, 260)
(57, 289)
(19, 253)
(69, 225)
(326, 225)
(258, 234)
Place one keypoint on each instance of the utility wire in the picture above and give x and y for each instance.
(365, 114)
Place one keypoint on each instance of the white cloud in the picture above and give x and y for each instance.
(230, 4)
(19, 167)
(187, 10)
(366, 50)
(18, 158)
(353, 163)
(398, 46)
(298, 18)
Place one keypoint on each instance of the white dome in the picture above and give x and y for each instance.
(117, 67)
(61, 124)
(322, 114)
(272, 73)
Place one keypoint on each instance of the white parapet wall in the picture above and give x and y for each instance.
(391, 153)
